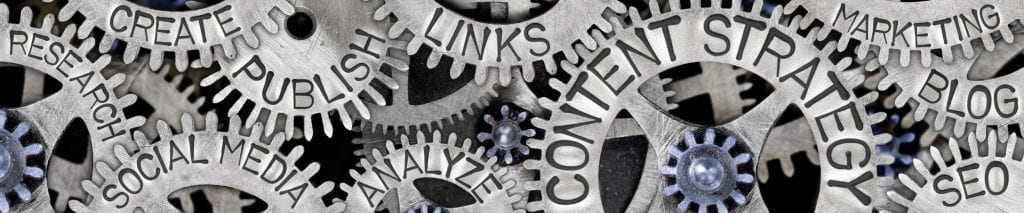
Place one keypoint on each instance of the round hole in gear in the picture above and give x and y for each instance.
(300, 25)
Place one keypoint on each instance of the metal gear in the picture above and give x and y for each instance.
(506, 135)
(427, 165)
(151, 86)
(989, 165)
(324, 66)
(403, 116)
(242, 162)
(517, 47)
(592, 99)
(707, 173)
(185, 31)
(948, 93)
(85, 95)
(795, 136)
(223, 199)
(911, 29)
(18, 176)
(719, 82)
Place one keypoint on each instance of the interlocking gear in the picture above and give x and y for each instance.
(901, 31)
(953, 95)
(152, 87)
(85, 95)
(506, 135)
(202, 30)
(800, 71)
(408, 113)
(502, 47)
(982, 179)
(404, 179)
(511, 106)
(241, 161)
(18, 177)
(316, 70)
(707, 173)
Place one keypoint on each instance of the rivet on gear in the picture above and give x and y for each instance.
(507, 135)
(706, 172)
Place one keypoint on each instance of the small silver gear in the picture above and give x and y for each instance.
(506, 134)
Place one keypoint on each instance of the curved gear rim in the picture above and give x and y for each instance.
(234, 173)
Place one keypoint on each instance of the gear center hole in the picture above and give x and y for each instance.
(300, 25)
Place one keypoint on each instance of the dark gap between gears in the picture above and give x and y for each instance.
(300, 25)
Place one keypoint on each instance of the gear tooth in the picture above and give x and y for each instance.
(897, 198)
(131, 51)
(1011, 146)
(762, 171)
(310, 170)
(78, 206)
(181, 60)
(972, 143)
(921, 169)
(229, 51)
(163, 129)
(307, 129)
(534, 206)
(654, 8)
(919, 112)
(533, 185)
(47, 23)
(187, 123)
(904, 57)
(877, 118)
(987, 40)
(26, 16)
(156, 59)
(634, 14)
(886, 159)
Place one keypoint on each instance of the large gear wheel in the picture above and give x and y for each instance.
(502, 47)
(86, 95)
(402, 179)
(802, 73)
(202, 30)
(319, 68)
(982, 179)
(952, 93)
(900, 31)
(242, 162)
